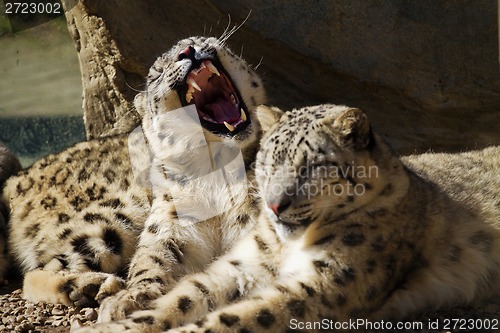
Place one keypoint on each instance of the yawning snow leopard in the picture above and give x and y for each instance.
(346, 230)
(81, 216)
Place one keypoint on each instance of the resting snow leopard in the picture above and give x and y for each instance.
(347, 230)
(80, 217)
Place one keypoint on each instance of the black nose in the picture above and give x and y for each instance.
(188, 52)
(280, 206)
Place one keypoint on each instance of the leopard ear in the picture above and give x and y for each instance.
(268, 116)
(140, 103)
(352, 129)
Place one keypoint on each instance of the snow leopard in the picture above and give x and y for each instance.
(346, 230)
(113, 213)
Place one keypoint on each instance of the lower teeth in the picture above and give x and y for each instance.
(229, 126)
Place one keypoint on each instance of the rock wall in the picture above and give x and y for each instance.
(426, 72)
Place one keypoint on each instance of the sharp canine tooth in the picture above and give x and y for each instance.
(229, 126)
(189, 94)
(212, 68)
(193, 84)
(243, 116)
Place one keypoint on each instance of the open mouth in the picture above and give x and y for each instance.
(218, 102)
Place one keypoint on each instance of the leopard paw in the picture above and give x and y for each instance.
(86, 289)
(90, 289)
(125, 302)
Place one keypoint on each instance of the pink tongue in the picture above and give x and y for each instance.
(223, 110)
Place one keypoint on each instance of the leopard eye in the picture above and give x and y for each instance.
(153, 76)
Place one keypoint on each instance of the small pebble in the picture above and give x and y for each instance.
(57, 322)
(90, 314)
(30, 308)
(57, 312)
(76, 323)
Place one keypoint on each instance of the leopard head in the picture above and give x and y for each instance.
(318, 163)
(203, 75)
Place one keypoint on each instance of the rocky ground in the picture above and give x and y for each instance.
(18, 315)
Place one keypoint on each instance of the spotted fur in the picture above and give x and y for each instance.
(423, 234)
(82, 218)
(79, 211)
